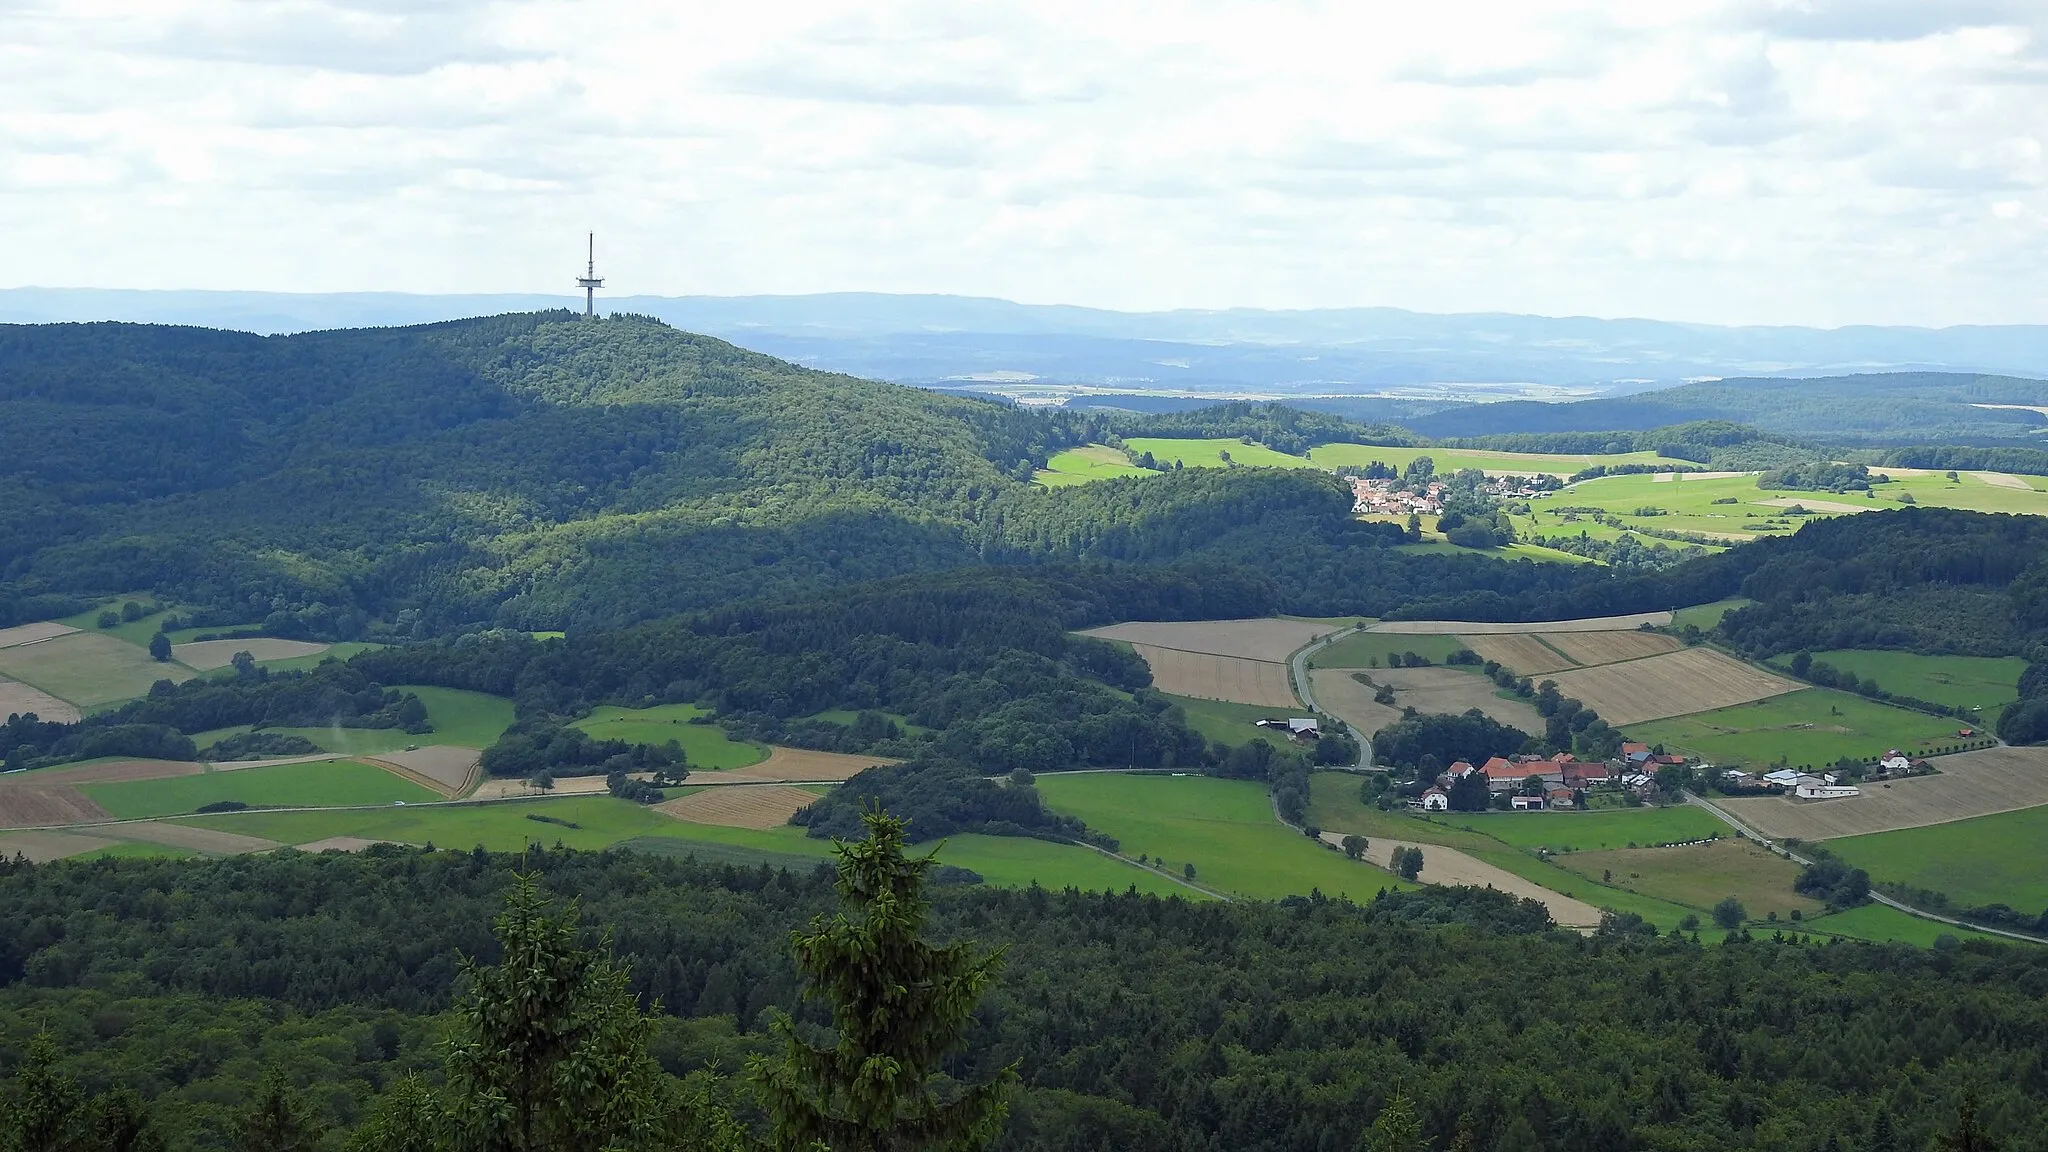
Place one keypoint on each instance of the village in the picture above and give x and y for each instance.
(1395, 496)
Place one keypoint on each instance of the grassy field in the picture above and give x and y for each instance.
(130, 850)
(2001, 859)
(1691, 505)
(1092, 462)
(706, 745)
(1662, 913)
(1699, 875)
(1371, 649)
(1888, 926)
(87, 668)
(464, 719)
(1987, 682)
(1225, 828)
(283, 786)
(1587, 831)
(1707, 617)
(1515, 551)
(1813, 727)
(1209, 453)
(136, 632)
(1018, 862)
(1455, 459)
(1221, 720)
(340, 651)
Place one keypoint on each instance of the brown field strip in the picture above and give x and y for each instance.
(444, 768)
(43, 847)
(18, 699)
(198, 839)
(503, 787)
(1441, 865)
(1469, 628)
(795, 765)
(1452, 691)
(208, 654)
(1969, 784)
(1520, 651)
(1674, 684)
(109, 772)
(31, 633)
(1591, 648)
(1350, 701)
(343, 844)
(2003, 480)
(43, 805)
(1207, 677)
(1263, 639)
(756, 806)
(1815, 505)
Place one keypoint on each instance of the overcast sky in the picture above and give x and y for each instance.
(1752, 161)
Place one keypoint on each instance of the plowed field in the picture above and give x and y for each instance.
(40, 805)
(444, 768)
(1591, 648)
(1442, 865)
(1677, 683)
(1209, 677)
(1523, 652)
(1262, 639)
(1970, 784)
(756, 806)
(1468, 628)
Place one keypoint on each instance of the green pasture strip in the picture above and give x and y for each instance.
(1699, 877)
(1662, 913)
(1232, 724)
(1998, 859)
(360, 741)
(1987, 682)
(1883, 925)
(87, 668)
(307, 785)
(1456, 459)
(1373, 649)
(1093, 462)
(1208, 453)
(341, 651)
(1516, 551)
(1811, 728)
(134, 850)
(466, 719)
(1707, 617)
(1019, 862)
(705, 745)
(1225, 828)
(1607, 828)
(503, 826)
(136, 632)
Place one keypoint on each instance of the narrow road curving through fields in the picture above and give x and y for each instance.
(1297, 668)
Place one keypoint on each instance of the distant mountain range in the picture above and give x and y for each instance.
(1053, 351)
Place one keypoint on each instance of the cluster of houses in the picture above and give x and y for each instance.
(1394, 497)
(1514, 488)
(1563, 776)
(1804, 785)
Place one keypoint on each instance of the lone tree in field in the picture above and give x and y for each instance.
(899, 1003)
(1354, 846)
(1730, 913)
(160, 648)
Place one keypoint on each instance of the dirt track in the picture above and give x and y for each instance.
(756, 806)
(1970, 784)
(1258, 639)
(1675, 684)
(1441, 865)
(1474, 628)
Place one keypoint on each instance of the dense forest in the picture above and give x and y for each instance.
(1132, 1022)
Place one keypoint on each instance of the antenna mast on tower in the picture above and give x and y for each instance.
(590, 281)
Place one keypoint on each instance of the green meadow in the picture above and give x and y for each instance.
(1987, 682)
(461, 718)
(315, 784)
(1516, 551)
(1813, 727)
(1374, 649)
(87, 668)
(1209, 453)
(1228, 723)
(1707, 617)
(1602, 829)
(1877, 923)
(1225, 828)
(1081, 465)
(1999, 859)
(1734, 507)
(1456, 459)
(706, 745)
(136, 632)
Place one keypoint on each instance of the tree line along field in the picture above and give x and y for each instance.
(1997, 859)
(1988, 683)
(1810, 727)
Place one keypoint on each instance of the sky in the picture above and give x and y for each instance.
(1819, 162)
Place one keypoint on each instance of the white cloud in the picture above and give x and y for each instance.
(1816, 161)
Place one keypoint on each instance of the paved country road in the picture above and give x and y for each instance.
(1297, 667)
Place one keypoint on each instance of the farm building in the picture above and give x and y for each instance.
(1561, 798)
(1894, 761)
(1582, 773)
(1435, 800)
(1526, 803)
(1782, 778)
(1815, 788)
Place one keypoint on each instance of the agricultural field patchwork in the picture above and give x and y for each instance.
(86, 668)
(1692, 680)
(1452, 691)
(1179, 673)
(1969, 785)
(1377, 649)
(1270, 639)
(1471, 628)
(1700, 875)
(18, 699)
(33, 632)
(1731, 506)
(206, 655)
(1595, 648)
(1340, 694)
(1441, 865)
(1999, 859)
(705, 745)
(1986, 682)
(1526, 653)
(801, 766)
(739, 805)
(1809, 728)
(306, 785)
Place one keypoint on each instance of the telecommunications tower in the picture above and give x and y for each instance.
(590, 281)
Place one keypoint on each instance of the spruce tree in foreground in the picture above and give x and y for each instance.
(899, 1003)
(277, 1120)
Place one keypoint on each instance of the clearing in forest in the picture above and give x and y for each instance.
(86, 668)
(1524, 653)
(754, 806)
(1471, 628)
(704, 745)
(1694, 680)
(1218, 677)
(18, 699)
(1969, 785)
(1453, 691)
(209, 654)
(1265, 639)
(1591, 648)
(1087, 463)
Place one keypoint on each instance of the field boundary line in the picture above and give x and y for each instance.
(1561, 653)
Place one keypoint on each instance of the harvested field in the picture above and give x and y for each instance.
(1591, 648)
(444, 768)
(109, 772)
(43, 847)
(86, 668)
(1451, 691)
(1469, 628)
(1218, 677)
(756, 806)
(198, 839)
(2003, 480)
(30, 633)
(342, 844)
(1814, 505)
(1674, 684)
(795, 765)
(18, 699)
(207, 654)
(1442, 865)
(1350, 701)
(1970, 784)
(1262, 639)
(502, 788)
(1524, 652)
(44, 805)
